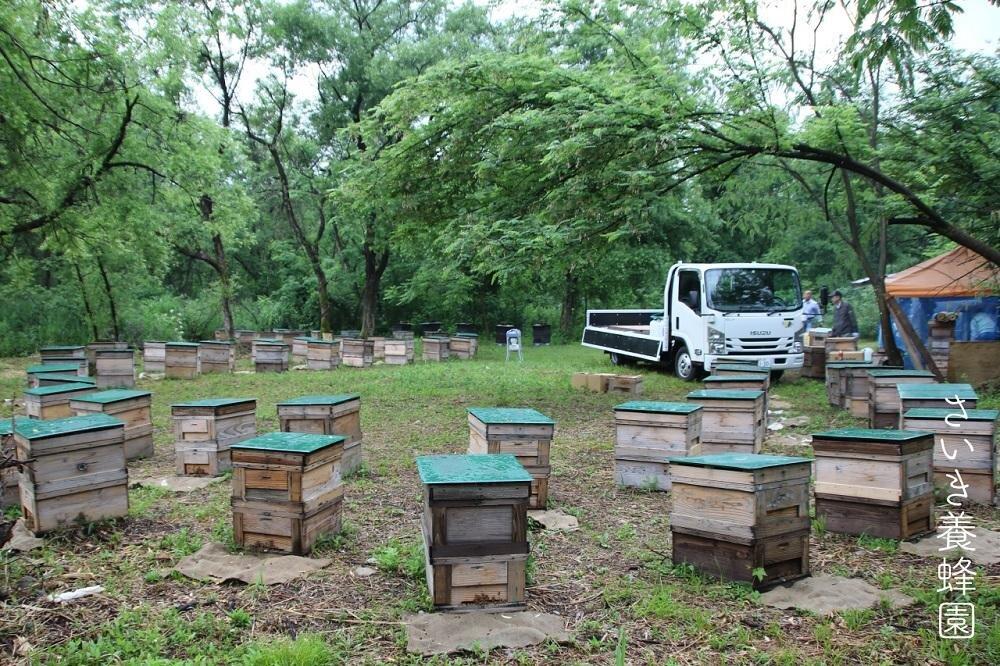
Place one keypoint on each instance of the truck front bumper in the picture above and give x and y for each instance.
(783, 362)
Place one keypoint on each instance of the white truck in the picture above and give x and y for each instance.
(712, 313)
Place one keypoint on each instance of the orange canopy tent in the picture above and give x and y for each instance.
(960, 272)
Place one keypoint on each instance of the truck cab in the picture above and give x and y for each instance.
(712, 313)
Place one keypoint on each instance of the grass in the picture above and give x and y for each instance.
(612, 579)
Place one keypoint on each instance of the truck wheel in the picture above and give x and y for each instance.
(683, 365)
(621, 359)
(776, 375)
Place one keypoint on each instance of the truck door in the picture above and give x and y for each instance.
(686, 311)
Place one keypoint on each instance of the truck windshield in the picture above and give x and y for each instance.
(753, 289)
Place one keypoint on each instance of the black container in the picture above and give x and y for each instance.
(541, 334)
(429, 327)
(501, 333)
(467, 328)
(403, 326)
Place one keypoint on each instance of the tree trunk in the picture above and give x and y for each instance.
(111, 299)
(86, 301)
(375, 265)
(918, 352)
(567, 317)
(226, 286)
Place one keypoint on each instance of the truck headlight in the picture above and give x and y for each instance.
(797, 343)
(716, 341)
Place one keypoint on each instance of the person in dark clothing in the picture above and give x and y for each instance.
(845, 325)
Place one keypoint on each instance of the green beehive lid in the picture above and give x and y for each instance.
(215, 342)
(321, 399)
(213, 402)
(722, 394)
(748, 377)
(896, 372)
(936, 391)
(970, 414)
(657, 407)
(66, 379)
(488, 468)
(510, 415)
(7, 426)
(181, 343)
(114, 395)
(741, 367)
(738, 461)
(39, 429)
(290, 442)
(269, 341)
(871, 435)
(59, 388)
(49, 348)
(54, 367)
(466, 335)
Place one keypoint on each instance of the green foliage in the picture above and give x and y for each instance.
(304, 650)
(405, 559)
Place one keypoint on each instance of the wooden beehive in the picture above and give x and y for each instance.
(732, 421)
(970, 439)
(875, 482)
(524, 433)
(647, 435)
(883, 398)
(463, 346)
(728, 369)
(327, 415)
(627, 384)
(287, 490)
(436, 348)
(270, 355)
(814, 362)
(399, 351)
(322, 354)
(837, 356)
(52, 402)
(934, 396)
(115, 368)
(836, 381)
(9, 476)
(59, 379)
(832, 344)
(357, 352)
(101, 345)
(133, 408)
(754, 380)
(734, 513)
(204, 430)
(60, 353)
(855, 388)
(181, 360)
(378, 349)
(154, 357)
(216, 356)
(300, 350)
(74, 471)
(475, 531)
(78, 368)
(244, 341)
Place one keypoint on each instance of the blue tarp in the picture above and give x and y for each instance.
(978, 318)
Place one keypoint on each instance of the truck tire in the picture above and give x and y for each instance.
(776, 375)
(621, 359)
(684, 367)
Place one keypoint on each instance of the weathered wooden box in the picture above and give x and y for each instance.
(733, 513)
(732, 421)
(875, 482)
(270, 355)
(78, 368)
(327, 415)
(115, 368)
(728, 369)
(10, 494)
(934, 396)
(883, 398)
(436, 348)
(300, 350)
(154, 357)
(181, 360)
(855, 392)
(814, 362)
(463, 346)
(74, 471)
(969, 441)
(52, 402)
(322, 354)
(837, 382)
(840, 356)
(357, 352)
(59, 379)
(216, 356)
(101, 345)
(60, 353)
(287, 490)
(475, 531)
(524, 433)
(627, 384)
(399, 351)
(204, 430)
(832, 344)
(647, 435)
(133, 408)
(244, 341)
(378, 348)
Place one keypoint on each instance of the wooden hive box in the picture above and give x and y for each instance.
(204, 430)
(287, 490)
(244, 341)
(463, 345)
(59, 379)
(378, 348)
(436, 348)
(300, 350)
(74, 471)
(216, 356)
(627, 384)
(270, 355)
(836, 356)
(133, 408)
(115, 368)
(78, 368)
(814, 362)
(734, 513)
(475, 531)
(883, 399)
(322, 354)
(10, 494)
(399, 351)
(875, 482)
(101, 345)
(976, 465)
(832, 344)
(754, 381)
(727, 369)
(855, 388)
(58, 353)
(524, 433)
(52, 402)
(327, 415)
(836, 381)
(934, 396)
(181, 360)
(818, 336)
(154, 356)
(357, 352)
(597, 382)
(732, 421)
(647, 435)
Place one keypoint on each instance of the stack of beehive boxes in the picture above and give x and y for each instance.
(814, 354)
(436, 348)
(934, 396)
(357, 352)
(9, 476)
(648, 435)
(52, 402)
(216, 356)
(327, 415)
(133, 408)
(883, 396)
(732, 421)
(875, 482)
(475, 530)
(62, 354)
(736, 516)
(322, 354)
(181, 360)
(964, 448)
(154, 356)
(836, 381)
(300, 350)
(204, 431)
(399, 351)
(115, 368)
(33, 371)
(524, 433)
(270, 355)
(463, 345)
(287, 490)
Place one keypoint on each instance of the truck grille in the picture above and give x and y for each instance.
(759, 346)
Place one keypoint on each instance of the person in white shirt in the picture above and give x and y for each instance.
(810, 310)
